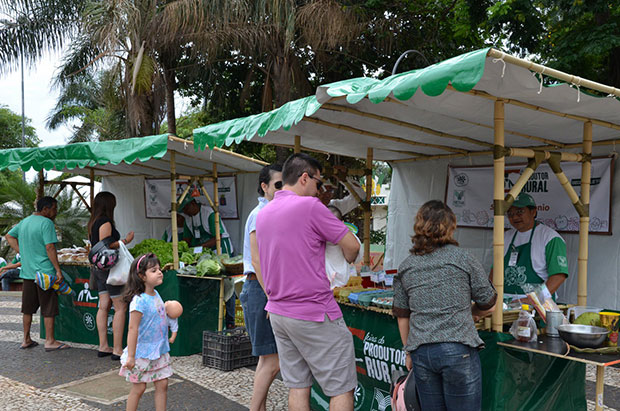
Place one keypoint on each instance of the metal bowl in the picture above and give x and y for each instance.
(583, 336)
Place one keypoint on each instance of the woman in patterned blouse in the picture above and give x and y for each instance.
(433, 294)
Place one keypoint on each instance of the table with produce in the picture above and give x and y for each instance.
(200, 299)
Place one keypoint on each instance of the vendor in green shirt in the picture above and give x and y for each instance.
(533, 253)
(200, 222)
(9, 272)
(182, 230)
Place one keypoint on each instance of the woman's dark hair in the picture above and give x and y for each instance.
(45, 202)
(265, 176)
(103, 206)
(135, 284)
(434, 227)
(296, 165)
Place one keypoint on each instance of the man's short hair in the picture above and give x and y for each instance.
(265, 176)
(46, 202)
(296, 165)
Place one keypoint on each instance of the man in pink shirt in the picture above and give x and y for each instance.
(311, 336)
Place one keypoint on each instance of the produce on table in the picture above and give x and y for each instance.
(188, 257)
(208, 267)
(161, 248)
(589, 318)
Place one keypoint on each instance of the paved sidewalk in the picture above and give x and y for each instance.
(30, 379)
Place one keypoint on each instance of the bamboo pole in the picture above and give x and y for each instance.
(549, 72)
(367, 209)
(80, 196)
(499, 166)
(206, 193)
(527, 173)
(218, 235)
(584, 221)
(220, 312)
(382, 136)
(345, 109)
(297, 148)
(184, 193)
(173, 212)
(531, 153)
(554, 163)
(534, 107)
(92, 188)
(553, 143)
(40, 189)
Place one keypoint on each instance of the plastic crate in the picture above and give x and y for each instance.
(227, 350)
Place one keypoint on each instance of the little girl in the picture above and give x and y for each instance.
(146, 358)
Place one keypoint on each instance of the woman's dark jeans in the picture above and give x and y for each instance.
(448, 377)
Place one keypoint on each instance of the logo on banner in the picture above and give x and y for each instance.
(461, 180)
(89, 321)
(381, 400)
(459, 198)
(359, 395)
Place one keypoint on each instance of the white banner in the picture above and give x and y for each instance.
(157, 196)
(470, 195)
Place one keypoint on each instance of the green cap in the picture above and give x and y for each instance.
(188, 199)
(524, 200)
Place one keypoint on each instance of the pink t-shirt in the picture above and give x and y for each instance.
(291, 232)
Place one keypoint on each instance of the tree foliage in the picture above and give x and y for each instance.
(11, 130)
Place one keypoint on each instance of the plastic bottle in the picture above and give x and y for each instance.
(524, 328)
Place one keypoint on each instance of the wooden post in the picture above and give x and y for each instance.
(220, 312)
(600, 387)
(367, 209)
(584, 222)
(173, 212)
(92, 188)
(40, 188)
(297, 148)
(216, 200)
(499, 166)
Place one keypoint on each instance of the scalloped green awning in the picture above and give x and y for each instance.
(462, 72)
(81, 155)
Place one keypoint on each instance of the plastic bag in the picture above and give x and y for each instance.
(524, 327)
(119, 274)
(541, 299)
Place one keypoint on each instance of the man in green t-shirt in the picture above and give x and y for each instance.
(34, 238)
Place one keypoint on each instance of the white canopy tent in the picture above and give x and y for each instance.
(477, 108)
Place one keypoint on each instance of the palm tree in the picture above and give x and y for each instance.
(94, 102)
(28, 28)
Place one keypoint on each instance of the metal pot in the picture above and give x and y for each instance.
(583, 336)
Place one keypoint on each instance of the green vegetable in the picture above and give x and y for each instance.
(589, 318)
(188, 257)
(162, 249)
(208, 267)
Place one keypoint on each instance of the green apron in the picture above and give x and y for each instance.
(200, 236)
(520, 272)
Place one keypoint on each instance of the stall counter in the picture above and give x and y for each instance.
(510, 380)
(77, 319)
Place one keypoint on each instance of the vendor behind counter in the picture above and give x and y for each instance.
(199, 227)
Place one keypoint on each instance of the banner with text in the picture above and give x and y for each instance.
(157, 196)
(470, 195)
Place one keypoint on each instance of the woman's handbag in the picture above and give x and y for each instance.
(119, 274)
(102, 256)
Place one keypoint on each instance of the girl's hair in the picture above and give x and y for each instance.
(434, 227)
(103, 206)
(135, 284)
(265, 176)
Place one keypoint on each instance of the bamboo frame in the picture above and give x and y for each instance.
(367, 210)
(499, 167)
(173, 212)
(527, 173)
(40, 189)
(345, 109)
(384, 137)
(552, 143)
(560, 75)
(297, 148)
(218, 235)
(584, 221)
(92, 186)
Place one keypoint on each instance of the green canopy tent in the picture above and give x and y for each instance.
(483, 103)
(158, 157)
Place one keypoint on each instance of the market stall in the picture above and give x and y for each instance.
(479, 108)
(126, 167)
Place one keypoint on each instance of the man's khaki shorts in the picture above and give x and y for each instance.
(320, 349)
